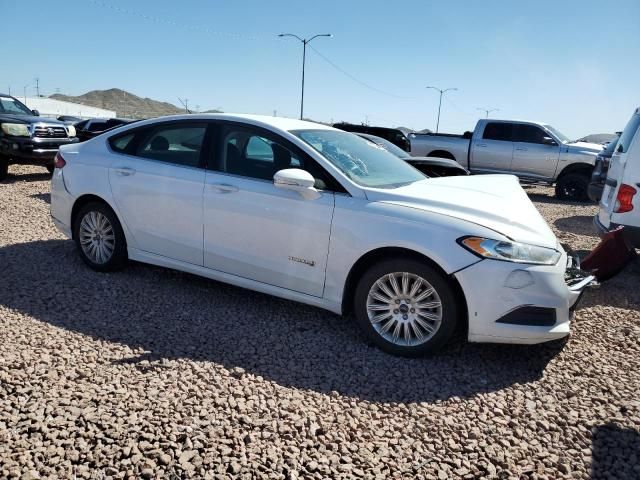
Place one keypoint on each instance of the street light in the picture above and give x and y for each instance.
(304, 55)
(440, 104)
(487, 111)
(25, 92)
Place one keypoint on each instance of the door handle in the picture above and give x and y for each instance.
(481, 144)
(124, 171)
(223, 188)
(520, 149)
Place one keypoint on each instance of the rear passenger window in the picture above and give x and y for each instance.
(175, 144)
(498, 131)
(120, 144)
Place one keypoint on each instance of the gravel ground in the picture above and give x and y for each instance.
(151, 373)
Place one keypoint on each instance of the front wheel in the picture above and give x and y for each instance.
(99, 238)
(573, 186)
(406, 307)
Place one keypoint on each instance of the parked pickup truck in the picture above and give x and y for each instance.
(27, 138)
(534, 151)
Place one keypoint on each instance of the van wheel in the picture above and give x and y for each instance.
(4, 167)
(573, 186)
(405, 307)
(99, 237)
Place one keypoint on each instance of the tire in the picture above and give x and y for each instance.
(4, 168)
(573, 186)
(406, 319)
(51, 168)
(89, 227)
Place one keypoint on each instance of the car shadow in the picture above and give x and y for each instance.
(45, 197)
(611, 448)
(172, 315)
(27, 177)
(578, 225)
(545, 198)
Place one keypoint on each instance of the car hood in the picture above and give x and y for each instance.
(28, 119)
(585, 147)
(497, 202)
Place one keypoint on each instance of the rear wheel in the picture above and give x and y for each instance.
(573, 186)
(99, 237)
(4, 167)
(405, 307)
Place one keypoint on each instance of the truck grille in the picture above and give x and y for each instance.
(50, 132)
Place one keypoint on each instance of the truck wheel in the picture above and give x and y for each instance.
(405, 307)
(573, 186)
(4, 168)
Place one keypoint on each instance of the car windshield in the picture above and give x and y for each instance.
(364, 162)
(387, 145)
(559, 135)
(13, 106)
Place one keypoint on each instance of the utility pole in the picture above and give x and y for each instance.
(487, 111)
(185, 104)
(304, 41)
(440, 104)
(25, 93)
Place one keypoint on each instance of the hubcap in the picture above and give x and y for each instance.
(97, 237)
(404, 309)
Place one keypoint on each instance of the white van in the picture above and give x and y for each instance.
(620, 202)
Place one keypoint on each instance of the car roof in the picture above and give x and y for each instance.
(282, 123)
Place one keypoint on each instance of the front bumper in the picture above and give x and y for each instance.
(497, 307)
(631, 234)
(32, 151)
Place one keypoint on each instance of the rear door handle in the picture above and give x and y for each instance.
(124, 171)
(223, 188)
(481, 144)
(521, 149)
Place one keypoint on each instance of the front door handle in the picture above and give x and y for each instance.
(124, 171)
(521, 149)
(481, 144)
(223, 188)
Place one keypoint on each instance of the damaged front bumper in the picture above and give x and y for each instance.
(522, 303)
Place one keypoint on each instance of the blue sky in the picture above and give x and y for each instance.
(574, 64)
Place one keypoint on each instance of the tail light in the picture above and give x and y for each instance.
(59, 161)
(624, 199)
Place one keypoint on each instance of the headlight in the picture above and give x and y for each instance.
(71, 130)
(16, 129)
(510, 251)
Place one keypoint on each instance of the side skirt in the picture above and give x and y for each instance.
(160, 261)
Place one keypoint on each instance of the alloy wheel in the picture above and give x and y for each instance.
(97, 237)
(404, 309)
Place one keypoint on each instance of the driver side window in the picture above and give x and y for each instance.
(259, 155)
(529, 134)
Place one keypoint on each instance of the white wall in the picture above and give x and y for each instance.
(49, 107)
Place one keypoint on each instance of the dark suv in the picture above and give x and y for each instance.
(27, 138)
(393, 135)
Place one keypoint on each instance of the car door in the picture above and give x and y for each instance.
(493, 152)
(532, 157)
(157, 180)
(255, 230)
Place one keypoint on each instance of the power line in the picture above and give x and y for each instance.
(166, 21)
(357, 80)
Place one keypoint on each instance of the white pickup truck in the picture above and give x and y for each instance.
(533, 151)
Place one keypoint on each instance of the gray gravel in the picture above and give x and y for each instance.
(150, 373)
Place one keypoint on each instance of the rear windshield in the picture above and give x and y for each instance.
(629, 132)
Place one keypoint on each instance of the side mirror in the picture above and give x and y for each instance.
(549, 141)
(35, 113)
(298, 180)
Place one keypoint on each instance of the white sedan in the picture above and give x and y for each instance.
(320, 216)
